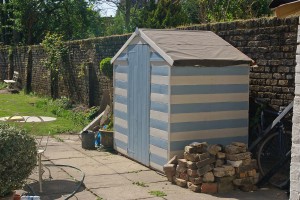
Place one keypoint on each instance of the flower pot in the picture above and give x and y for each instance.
(107, 138)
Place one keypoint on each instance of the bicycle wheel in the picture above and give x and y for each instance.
(272, 150)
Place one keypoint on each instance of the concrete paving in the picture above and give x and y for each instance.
(111, 176)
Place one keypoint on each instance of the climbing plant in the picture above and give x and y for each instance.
(57, 54)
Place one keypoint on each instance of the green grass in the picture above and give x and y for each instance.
(20, 104)
(158, 193)
(141, 184)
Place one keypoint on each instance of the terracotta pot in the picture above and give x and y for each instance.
(17, 197)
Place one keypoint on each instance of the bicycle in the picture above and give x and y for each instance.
(272, 145)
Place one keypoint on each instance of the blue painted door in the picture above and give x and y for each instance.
(139, 102)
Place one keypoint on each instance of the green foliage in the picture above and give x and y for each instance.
(17, 158)
(3, 85)
(158, 193)
(28, 21)
(106, 67)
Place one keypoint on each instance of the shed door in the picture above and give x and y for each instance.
(139, 102)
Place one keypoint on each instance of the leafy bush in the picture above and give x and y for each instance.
(106, 68)
(17, 158)
(3, 85)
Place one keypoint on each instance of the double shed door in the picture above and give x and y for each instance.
(139, 102)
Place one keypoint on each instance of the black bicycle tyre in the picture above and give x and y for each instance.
(265, 161)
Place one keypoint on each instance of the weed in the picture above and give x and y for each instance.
(58, 139)
(157, 193)
(3, 85)
(142, 184)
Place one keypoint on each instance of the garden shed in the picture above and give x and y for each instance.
(172, 88)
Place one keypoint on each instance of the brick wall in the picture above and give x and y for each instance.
(271, 43)
(295, 162)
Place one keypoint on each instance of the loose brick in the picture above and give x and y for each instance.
(225, 184)
(232, 149)
(247, 162)
(219, 163)
(208, 177)
(241, 174)
(192, 172)
(182, 163)
(245, 168)
(191, 165)
(205, 162)
(180, 182)
(170, 171)
(201, 147)
(194, 188)
(203, 156)
(235, 163)
(221, 155)
(251, 173)
(240, 156)
(214, 149)
(195, 180)
(219, 172)
(204, 170)
(191, 156)
(229, 170)
(190, 149)
(239, 144)
(209, 188)
(181, 169)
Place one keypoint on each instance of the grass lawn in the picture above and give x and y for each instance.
(20, 104)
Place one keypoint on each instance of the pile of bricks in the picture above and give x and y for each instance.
(213, 168)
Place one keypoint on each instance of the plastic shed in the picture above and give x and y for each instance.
(172, 88)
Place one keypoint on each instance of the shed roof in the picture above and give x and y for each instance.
(189, 48)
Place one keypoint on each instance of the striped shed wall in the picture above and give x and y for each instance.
(208, 104)
(172, 88)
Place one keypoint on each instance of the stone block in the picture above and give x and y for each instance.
(235, 163)
(181, 169)
(225, 184)
(192, 172)
(182, 163)
(209, 188)
(204, 170)
(214, 149)
(206, 161)
(240, 156)
(194, 188)
(232, 149)
(191, 165)
(191, 156)
(195, 180)
(221, 155)
(219, 163)
(180, 182)
(208, 177)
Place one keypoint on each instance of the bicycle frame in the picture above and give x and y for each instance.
(271, 126)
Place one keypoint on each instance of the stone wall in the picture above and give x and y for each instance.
(271, 43)
(295, 162)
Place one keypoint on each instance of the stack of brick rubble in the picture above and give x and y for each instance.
(211, 169)
(245, 167)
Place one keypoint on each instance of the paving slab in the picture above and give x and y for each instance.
(111, 176)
